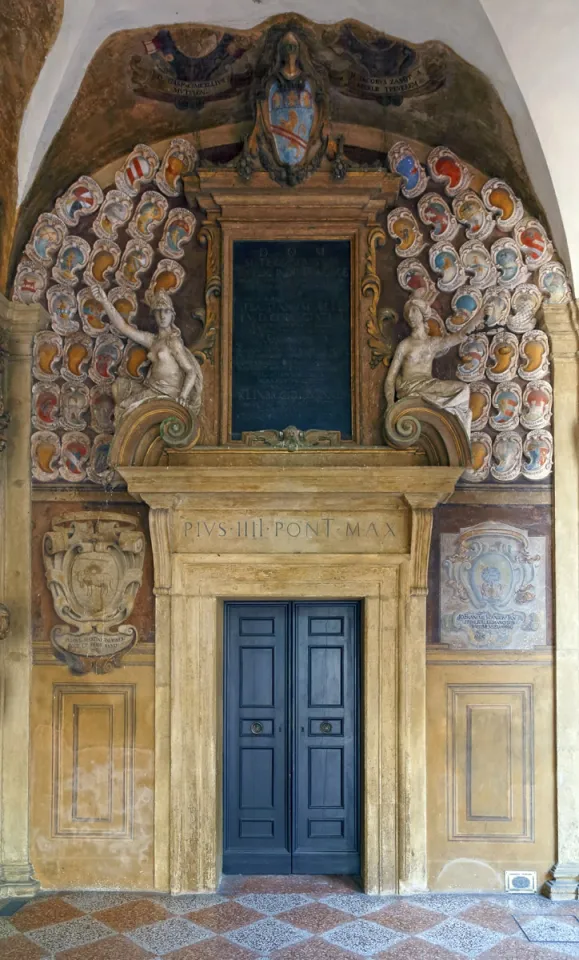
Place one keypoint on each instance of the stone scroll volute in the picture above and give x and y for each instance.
(94, 567)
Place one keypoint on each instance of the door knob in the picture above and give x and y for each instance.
(256, 727)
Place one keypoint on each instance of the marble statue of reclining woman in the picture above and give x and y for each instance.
(174, 371)
(410, 371)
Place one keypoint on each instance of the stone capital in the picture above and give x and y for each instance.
(20, 323)
(561, 324)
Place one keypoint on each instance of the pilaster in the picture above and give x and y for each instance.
(412, 687)
(20, 323)
(561, 326)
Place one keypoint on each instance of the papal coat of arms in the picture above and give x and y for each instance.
(289, 138)
(94, 568)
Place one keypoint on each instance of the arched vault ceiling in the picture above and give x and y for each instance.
(28, 28)
(525, 50)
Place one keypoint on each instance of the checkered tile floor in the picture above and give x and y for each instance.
(287, 918)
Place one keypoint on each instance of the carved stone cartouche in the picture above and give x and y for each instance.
(94, 568)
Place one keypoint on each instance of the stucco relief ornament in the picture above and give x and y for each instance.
(415, 278)
(115, 212)
(149, 215)
(410, 371)
(92, 315)
(46, 356)
(508, 455)
(406, 164)
(480, 403)
(537, 405)
(538, 454)
(404, 230)
(74, 455)
(46, 239)
(445, 261)
(471, 212)
(465, 303)
(434, 211)
(446, 168)
(178, 231)
(481, 450)
(473, 352)
(138, 169)
(480, 270)
(45, 455)
(535, 245)
(104, 258)
(503, 356)
(29, 283)
(507, 401)
(496, 307)
(510, 267)
(94, 568)
(503, 203)
(137, 257)
(45, 406)
(525, 303)
(102, 409)
(553, 283)
(74, 403)
(125, 302)
(493, 587)
(167, 278)
(174, 372)
(76, 357)
(106, 359)
(99, 469)
(82, 199)
(72, 258)
(534, 355)
(62, 307)
(179, 160)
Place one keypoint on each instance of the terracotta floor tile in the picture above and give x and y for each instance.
(129, 916)
(20, 947)
(491, 916)
(216, 949)
(406, 918)
(113, 948)
(418, 950)
(313, 950)
(315, 917)
(224, 917)
(43, 912)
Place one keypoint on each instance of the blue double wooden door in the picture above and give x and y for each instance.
(291, 764)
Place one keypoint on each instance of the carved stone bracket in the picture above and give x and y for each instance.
(413, 423)
(145, 433)
(291, 438)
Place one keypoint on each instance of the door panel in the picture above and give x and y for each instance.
(291, 782)
(326, 794)
(257, 837)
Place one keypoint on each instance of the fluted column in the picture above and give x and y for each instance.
(561, 325)
(20, 323)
